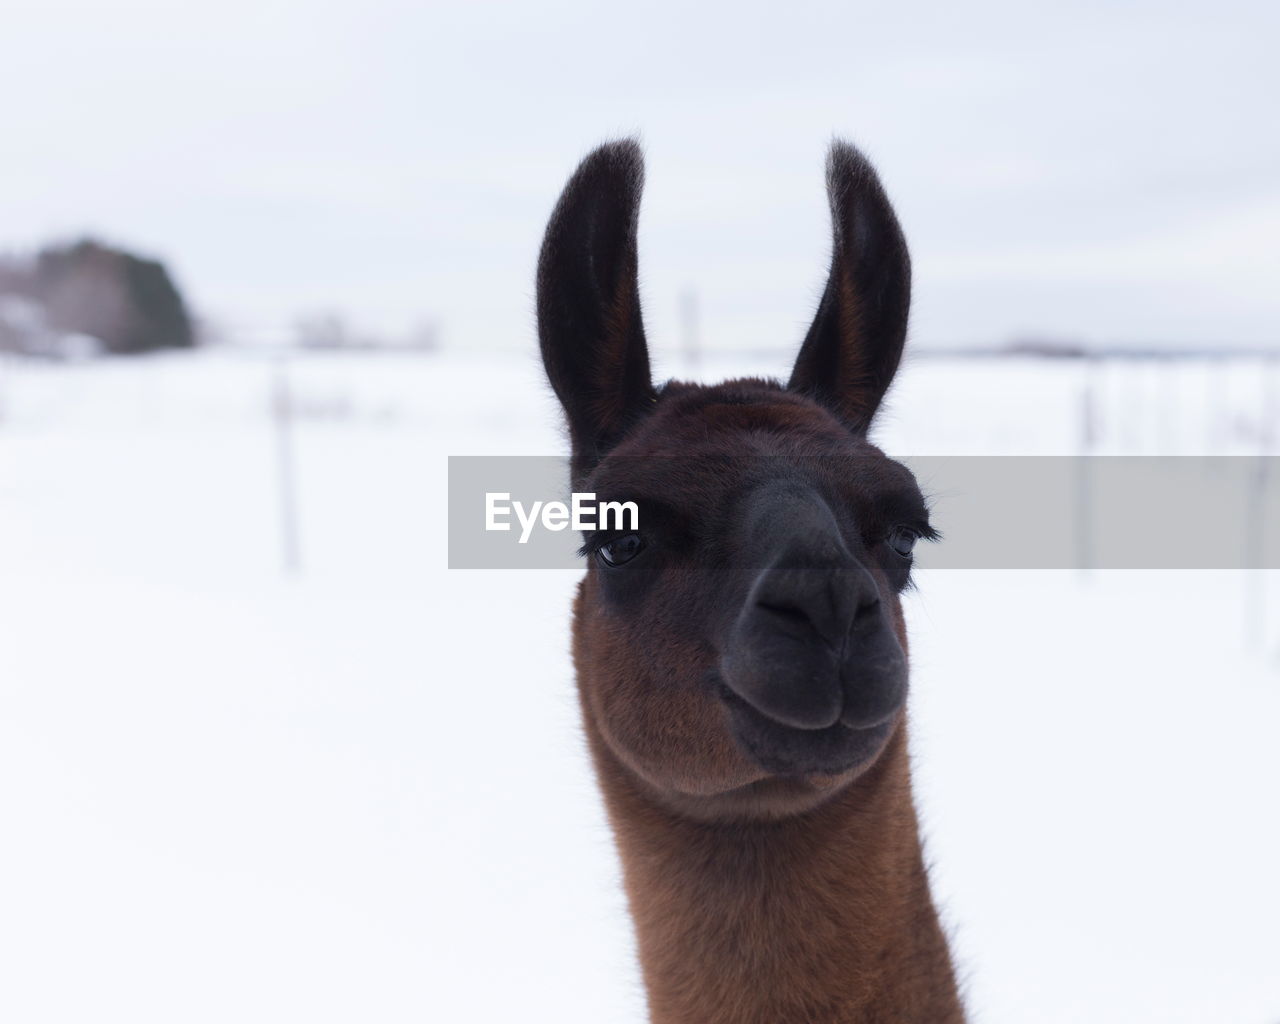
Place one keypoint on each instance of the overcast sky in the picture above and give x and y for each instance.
(1106, 172)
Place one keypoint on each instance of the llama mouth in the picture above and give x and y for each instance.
(783, 750)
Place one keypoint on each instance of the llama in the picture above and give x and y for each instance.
(741, 658)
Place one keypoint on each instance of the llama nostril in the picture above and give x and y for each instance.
(787, 613)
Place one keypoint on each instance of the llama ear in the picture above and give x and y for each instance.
(589, 325)
(852, 350)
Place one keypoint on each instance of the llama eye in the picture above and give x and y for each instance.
(621, 550)
(902, 540)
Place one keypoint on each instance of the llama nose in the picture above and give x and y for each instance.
(785, 652)
(813, 646)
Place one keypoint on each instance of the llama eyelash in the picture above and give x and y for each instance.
(925, 531)
(595, 541)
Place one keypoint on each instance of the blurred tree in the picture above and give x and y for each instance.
(127, 302)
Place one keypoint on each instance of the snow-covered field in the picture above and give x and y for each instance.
(358, 792)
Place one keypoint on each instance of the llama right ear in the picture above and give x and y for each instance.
(589, 325)
(852, 350)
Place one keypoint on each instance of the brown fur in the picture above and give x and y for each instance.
(755, 899)
(820, 918)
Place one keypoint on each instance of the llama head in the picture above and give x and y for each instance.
(742, 653)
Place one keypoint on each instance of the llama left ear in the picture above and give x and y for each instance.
(589, 325)
(853, 348)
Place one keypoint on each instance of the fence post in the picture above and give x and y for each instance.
(7, 362)
(286, 475)
(1084, 471)
(1258, 487)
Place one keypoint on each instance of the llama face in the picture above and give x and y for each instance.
(742, 653)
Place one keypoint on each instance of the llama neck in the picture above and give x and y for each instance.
(825, 917)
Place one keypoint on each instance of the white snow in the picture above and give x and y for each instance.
(360, 793)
